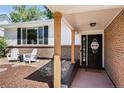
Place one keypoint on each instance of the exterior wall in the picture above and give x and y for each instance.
(93, 32)
(65, 35)
(114, 50)
(1, 31)
(51, 34)
(66, 52)
(11, 35)
(77, 39)
(3, 20)
(48, 51)
(45, 51)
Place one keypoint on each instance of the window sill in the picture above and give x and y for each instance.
(31, 46)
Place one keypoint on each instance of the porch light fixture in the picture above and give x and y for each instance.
(93, 24)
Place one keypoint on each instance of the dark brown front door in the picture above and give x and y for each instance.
(92, 51)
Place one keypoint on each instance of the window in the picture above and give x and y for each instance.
(19, 36)
(45, 34)
(40, 35)
(34, 35)
(23, 35)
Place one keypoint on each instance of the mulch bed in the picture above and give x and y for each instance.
(45, 73)
(15, 77)
(26, 76)
(37, 76)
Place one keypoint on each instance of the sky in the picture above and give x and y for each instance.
(6, 9)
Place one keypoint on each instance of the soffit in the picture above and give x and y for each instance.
(80, 16)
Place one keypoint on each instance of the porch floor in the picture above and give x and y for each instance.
(91, 79)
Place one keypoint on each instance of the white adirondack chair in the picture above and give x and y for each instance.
(13, 55)
(30, 57)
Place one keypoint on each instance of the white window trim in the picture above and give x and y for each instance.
(21, 36)
(37, 35)
(26, 35)
(43, 34)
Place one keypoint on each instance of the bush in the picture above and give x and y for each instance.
(3, 45)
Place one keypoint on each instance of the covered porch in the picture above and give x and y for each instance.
(86, 21)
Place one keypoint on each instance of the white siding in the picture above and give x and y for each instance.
(11, 36)
(1, 31)
(65, 35)
(51, 34)
(3, 22)
(77, 39)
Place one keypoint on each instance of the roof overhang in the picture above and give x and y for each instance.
(79, 17)
(29, 24)
(72, 9)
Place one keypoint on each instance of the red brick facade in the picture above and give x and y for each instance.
(114, 50)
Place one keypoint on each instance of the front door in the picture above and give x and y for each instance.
(92, 51)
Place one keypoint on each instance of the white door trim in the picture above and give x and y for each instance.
(93, 33)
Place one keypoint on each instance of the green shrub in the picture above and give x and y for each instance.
(3, 45)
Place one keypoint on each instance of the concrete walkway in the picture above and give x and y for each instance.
(91, 79)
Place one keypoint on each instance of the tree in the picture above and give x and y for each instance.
(23, 14)
(3, 45)
(35, 14)
(48, 13)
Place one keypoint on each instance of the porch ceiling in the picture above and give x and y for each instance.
(80, 16)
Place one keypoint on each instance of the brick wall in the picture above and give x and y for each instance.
(66, 51)
(114, 50)
(48, 51)
(43, 51)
